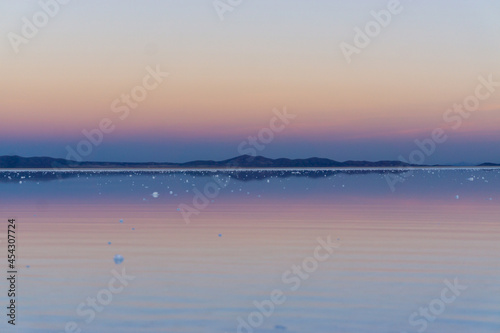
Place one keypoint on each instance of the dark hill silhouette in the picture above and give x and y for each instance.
(243, 161)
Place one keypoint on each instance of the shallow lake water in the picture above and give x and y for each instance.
(254, 251)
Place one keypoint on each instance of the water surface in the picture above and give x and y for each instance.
(200, 273)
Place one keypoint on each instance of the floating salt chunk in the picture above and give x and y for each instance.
(121, 220)
(457, 196)
(109, 243)
(471, 179)
(118, 259)
(133, 228)
(155, 194)
(220, 235)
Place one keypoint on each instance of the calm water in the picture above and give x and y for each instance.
(393, 251)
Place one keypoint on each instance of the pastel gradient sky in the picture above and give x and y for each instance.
(227, 76)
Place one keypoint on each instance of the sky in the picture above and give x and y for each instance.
(232, 67)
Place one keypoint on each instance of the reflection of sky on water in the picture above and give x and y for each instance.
(176, 187)
(396, 250)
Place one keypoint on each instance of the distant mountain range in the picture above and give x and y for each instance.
(489, 165)
(244, 161)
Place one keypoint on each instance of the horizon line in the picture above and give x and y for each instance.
(252, 157)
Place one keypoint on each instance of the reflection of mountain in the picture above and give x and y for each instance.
(244, 161)
(241, 175)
